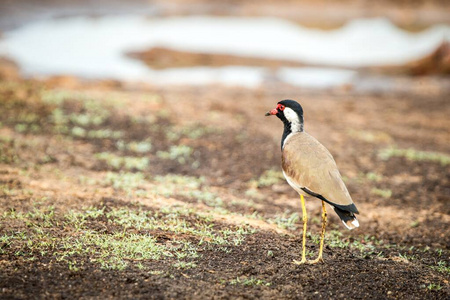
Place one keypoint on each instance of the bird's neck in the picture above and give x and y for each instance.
(291, 127)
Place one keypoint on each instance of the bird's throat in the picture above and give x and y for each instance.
(290, 127)
(287, 131)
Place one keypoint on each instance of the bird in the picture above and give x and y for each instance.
(310, 169)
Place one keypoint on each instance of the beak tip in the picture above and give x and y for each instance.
(267, 114)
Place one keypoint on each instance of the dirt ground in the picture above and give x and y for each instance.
(119, 190)
(109, 191)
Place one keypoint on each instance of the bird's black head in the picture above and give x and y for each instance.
(290, 112)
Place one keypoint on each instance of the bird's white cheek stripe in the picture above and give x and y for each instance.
(293, 118)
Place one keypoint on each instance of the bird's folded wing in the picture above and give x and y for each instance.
(308, 164)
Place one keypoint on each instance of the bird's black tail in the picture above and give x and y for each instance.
(345, 212)
(347, 217)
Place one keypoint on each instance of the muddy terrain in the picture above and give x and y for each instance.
(114, 192)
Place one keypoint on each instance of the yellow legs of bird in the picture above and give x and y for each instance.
(322, 234)
(305, 220)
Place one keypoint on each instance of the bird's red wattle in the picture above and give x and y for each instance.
(274, 111)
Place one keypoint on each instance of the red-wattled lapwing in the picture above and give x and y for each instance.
(310, 169)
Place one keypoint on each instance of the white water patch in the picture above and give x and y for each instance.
(316, 77)
(362, 42)
(96, 47)
(232, 76)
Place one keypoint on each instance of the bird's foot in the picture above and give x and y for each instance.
(315, 261)
(299, 262)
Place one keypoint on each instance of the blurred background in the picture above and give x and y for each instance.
(308, 44)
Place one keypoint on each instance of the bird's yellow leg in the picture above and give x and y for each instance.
(322, 234)
(305, 220)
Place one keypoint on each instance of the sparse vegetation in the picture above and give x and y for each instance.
(118, 250)
(117, 162)
(104, 134)
(184, 265)
(434, 287)
(385, 193)
(249, 281)
(186, 186)
(137, 147)
(287, 220)
(414, 155)
(90, 190)
(268, 178)
(191, 132)
(442, 266)
(125, 181)
(372, 176)
(180, 153)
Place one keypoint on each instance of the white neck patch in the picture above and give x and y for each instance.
(294, 119)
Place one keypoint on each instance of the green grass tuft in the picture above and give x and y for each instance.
(268, 178)
(123, 162)
(286, 220)
(251, 281)
(414, 155)
(385, 193)
(180, 153)
(434, 287)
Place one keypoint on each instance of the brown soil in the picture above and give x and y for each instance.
(437, 62)
(407, 232)
(160, 58)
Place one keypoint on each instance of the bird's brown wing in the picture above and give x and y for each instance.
(309, 166)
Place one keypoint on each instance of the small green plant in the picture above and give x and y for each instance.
(184, 265)
(137, 147)
(104, 134)
(155, 272)
(191, 131)
(73, 266)
(442, 267)
(78, 132)
(127, 162)
(268, 178)
(334, 239)
(179, 153)
(124, 181)
(385, 193)
(434, 287)
(414, 224)
(186, 186)
(372, 176)
(252, 281)
(86, 119)
(407, 257)
(57, 97)
(414, 155)
(286, 220)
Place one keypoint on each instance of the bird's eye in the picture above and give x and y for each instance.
(281, 107)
